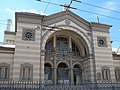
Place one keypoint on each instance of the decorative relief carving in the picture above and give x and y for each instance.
(67, 21)
(102, 42)
(28, 35)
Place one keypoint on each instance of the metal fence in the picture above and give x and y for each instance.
(38, 86)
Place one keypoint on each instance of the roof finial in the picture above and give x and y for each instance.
(66, 7)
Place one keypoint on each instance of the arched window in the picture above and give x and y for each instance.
(105, 73)
(117, 74)
(49, 45)
(62, 44)
(63, 47)
(75, 49)
(26, 72)
(49, 49)
(4, 71)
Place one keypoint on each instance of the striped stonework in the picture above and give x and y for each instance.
(62, 41)
(103, 54)
(27, 51)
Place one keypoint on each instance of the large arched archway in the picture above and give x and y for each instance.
(75, 31)
(68, 46)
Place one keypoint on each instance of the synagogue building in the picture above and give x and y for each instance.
(58, 48)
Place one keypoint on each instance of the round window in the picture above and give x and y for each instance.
(101, 42)
(28, 35)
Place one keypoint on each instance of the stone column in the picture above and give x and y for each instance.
(71, 67)
(54, 61)
(42, 65)
(54, 67)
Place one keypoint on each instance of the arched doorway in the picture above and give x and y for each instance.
(77, 74)
(62, 73)
(48, 72)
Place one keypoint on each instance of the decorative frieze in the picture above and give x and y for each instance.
(28, 20)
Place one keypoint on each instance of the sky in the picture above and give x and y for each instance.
(9, 7)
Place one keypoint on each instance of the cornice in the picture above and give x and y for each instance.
(24, 17)
(94, 24)
(7, 50)
(100, 27)
(9, 32)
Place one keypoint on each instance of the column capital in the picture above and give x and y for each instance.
(43, 52)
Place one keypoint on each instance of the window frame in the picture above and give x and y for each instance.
(60, 42)
(106, 76)
(3, 66)
(28, 72)
(117, 71)
(76, 49)
(24, 34)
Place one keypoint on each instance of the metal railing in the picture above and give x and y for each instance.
(38, 86)
(62, 55)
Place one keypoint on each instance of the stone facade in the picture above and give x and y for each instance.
(59, 48)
